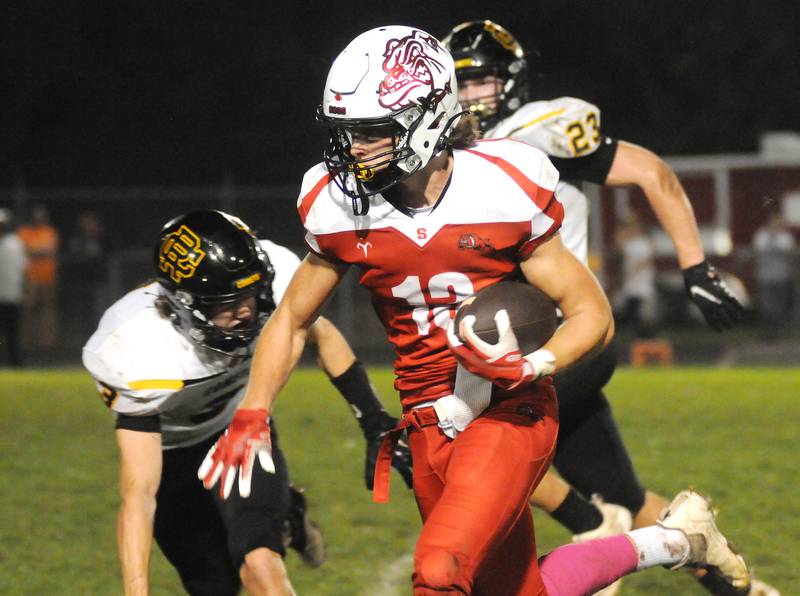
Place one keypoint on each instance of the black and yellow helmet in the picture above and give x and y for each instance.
(481, 48)
(204, 259)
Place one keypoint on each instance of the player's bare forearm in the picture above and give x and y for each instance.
(283, 338)
(637, 165)
(140, 473)
(335, 354)
(588, 324)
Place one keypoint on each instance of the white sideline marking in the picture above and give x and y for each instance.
(395, 578)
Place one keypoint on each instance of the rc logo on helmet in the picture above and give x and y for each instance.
(409, 66)
(180, 254)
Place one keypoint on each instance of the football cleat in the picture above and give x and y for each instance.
(691, 513)
(759, 588)
(616, 520)
(302, 534)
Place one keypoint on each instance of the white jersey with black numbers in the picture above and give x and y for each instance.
(565, 127)
(144, 366)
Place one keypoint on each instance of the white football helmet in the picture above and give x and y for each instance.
(399, 80)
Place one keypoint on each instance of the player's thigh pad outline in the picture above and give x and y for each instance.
(472, 492)
(260, 519)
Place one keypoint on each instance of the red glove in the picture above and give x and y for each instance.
(502, 363)
(246, 436)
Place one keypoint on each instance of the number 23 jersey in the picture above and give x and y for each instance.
(497, 207)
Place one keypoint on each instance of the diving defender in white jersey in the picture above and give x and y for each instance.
(171, 359)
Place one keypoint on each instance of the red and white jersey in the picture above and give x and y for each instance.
(497, 208)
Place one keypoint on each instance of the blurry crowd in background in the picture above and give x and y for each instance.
(66, 257)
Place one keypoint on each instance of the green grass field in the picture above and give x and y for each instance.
(729, 433)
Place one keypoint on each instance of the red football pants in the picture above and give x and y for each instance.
(472, 492)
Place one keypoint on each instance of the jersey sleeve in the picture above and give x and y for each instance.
(526, 169)
(547, 220)
(312, 193)
(565, 127)
(285, 263)
(593, 167)
(128, 384)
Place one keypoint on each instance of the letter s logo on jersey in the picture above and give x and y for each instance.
(409, 67)
(180, 254)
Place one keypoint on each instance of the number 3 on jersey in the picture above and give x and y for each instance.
(450, 286)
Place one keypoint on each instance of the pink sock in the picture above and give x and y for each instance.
(586, 567)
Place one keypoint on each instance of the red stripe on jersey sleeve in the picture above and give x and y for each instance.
(542, 197)
(527, 249)
(307, 201)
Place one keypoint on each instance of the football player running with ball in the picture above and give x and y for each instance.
(429, 218)
(171, 359)
(492, 70)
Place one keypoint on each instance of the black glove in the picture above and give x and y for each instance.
(706, 289)
(401, 456)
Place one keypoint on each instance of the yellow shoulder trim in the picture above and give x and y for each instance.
(541, 118)
(156, 384)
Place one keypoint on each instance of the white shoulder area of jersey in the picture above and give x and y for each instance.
(285, 263)
(325, 209)
(529, 160)
(137, 350)
(562, 127)
(322, 205)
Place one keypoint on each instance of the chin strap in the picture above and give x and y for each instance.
(363, 199)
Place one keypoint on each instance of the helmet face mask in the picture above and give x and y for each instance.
(481, 49)
(391, 82)
(206, 261)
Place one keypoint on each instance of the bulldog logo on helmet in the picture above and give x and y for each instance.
(410, 69)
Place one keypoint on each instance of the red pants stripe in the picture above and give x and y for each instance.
(472, 493)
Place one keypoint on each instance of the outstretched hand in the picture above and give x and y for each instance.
(247, 435)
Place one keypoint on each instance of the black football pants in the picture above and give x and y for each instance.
(206, 538)
(590, 454)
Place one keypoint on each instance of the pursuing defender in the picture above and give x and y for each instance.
(396, 197)
(171, 359)
(492, 71)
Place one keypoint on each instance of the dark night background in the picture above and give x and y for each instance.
(179, 92)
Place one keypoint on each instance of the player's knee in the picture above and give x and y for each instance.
(440, 572)
(263, 572)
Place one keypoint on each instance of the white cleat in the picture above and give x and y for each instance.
(691, 513)
(616, 520)
(759, 588)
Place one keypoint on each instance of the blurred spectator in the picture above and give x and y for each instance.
(773, 247)
(12, 278)
(40, 322)
(637, 297)
(86, 252)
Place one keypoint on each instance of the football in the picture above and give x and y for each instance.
(532, 313)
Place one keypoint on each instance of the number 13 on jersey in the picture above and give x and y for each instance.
(445, 291)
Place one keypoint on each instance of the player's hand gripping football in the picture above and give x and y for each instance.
(502, 363)
(401, 455)
(247, 436)
(711, 294)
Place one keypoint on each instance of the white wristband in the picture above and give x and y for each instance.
(542, 361)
